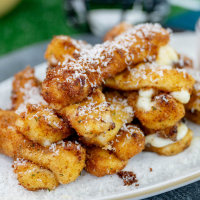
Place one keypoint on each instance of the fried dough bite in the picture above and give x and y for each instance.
(91, 117)
(121, 114)
(117, 30)
(37, 122)
(163, 78)
(168, 147)
(24, 85)
(9, 138)
(169, 132)
(100, 162)
(73, 81)
(156, 111)
(62, 48)
(193, 106)
(41, 125)
(184, 62)
(65, 159)
(32, 177)
(128, 142)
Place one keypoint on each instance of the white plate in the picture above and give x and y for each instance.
(168, 172)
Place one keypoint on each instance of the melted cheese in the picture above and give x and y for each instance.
(167, 55)
(156, 141)
(144, 101)
(182, 96)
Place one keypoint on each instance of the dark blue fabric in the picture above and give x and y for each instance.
(189, 192)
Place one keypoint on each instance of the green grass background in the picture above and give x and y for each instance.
(32, 21)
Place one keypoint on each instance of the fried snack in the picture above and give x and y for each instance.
(62, 48)
(117, 30)
(32, 177)
(169, 132)
(9, 137)
(128, 142)
(168, 147)
(73, 81)
(184, 62)
(41, 125)
(121, 114)
(65, 159)
(91, 117)
(100, 162)
(193, 106)
(152, 75)
(24, 86)
(156, 111)
(37, 122)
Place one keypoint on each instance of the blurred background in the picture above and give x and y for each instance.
(26, 22)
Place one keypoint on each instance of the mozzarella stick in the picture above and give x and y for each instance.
(73, 81)
(62, 48)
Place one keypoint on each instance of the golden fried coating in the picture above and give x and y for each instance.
(159, 112)
(193, 106)
(65, 159)
(91, 117)
(73, 81)
(41, 125)
(121, 114)
(23, 81)
(62, 48)
(100, 162)
(9, 138)
(32, 177)
(169, 132)
(184, 62)
(128, 142)
(174, 148)
(117, 30)
(164, 78)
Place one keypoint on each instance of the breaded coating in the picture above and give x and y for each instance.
(100, 162)
(62, 48)
(9, 137)
(169, 132)
(117, 30)
(65, 159)
(73, 81)
(184, 62)
(121, 114)
(91, 117)
(41, 125)
(32, 177)
(159, 112)
(193, 106)
(128, 142)
(23, 81)
(152, 75)
(37, 122)
(174, 148)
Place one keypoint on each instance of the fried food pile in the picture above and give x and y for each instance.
(98, 107)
